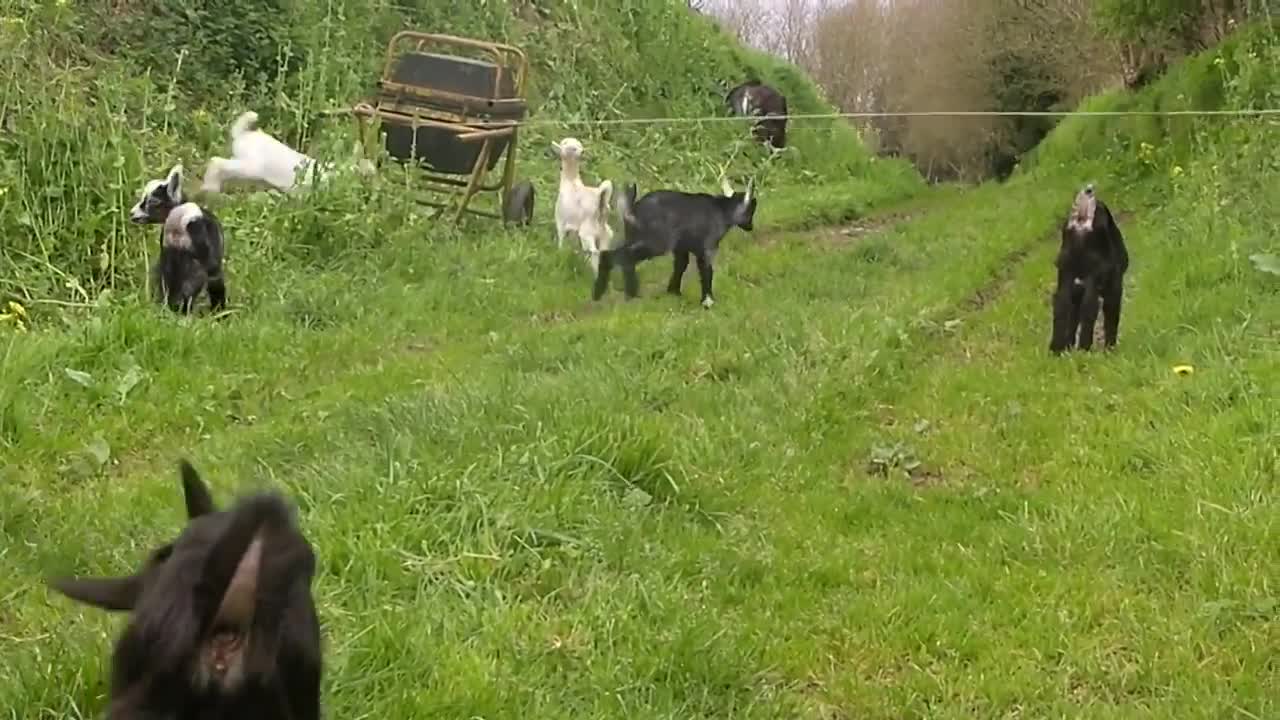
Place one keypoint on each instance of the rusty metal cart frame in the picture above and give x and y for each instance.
(453, 117)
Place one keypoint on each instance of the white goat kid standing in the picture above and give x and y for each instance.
(257, 158)
(580, 208)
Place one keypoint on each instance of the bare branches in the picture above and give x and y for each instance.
(912, 55)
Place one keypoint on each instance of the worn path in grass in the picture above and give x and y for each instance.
(654, 511)
(285, 353)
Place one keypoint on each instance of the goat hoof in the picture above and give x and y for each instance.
(707, 302)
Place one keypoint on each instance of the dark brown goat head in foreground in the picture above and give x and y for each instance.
(223, 624)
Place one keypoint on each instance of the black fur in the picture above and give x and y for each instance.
(682, 224)
(1091, 266)
(762, 100)
(183, 269)
(176, 600)
(181, 273)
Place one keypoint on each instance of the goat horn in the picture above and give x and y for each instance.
(750, 182)
(724, 185)
(237, 602)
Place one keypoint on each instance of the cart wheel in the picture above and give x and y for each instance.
(519, 205)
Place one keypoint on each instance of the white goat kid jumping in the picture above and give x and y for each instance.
(257, 158)
(580, 208)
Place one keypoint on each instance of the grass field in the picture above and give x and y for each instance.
(859, 487)
(524, 506)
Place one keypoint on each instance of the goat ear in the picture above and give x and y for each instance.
(175, 180)
(726, 187)
(196, 493)
(118, 594)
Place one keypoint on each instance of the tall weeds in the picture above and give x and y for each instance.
(107, 97)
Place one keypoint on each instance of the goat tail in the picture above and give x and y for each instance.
(625, 203)
(605, 197)
(247, 122)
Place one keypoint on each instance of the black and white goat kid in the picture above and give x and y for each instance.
(676, 223)
(1091, 262)
(191, 244)
(222, 624)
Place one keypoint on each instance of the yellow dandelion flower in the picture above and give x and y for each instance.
(17, 314)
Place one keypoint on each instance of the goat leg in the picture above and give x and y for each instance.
(1064, 320)
(1111, 302)
(679, 265)
(630, 280)
(180, 303)
(1088, 314)
(705, 272)
(602, 275)
(158, 292)
(217, 292)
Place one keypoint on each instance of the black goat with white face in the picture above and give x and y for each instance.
(223, 626)
(755, 98)
(677, 223)
(191, 245)
(1091, 262)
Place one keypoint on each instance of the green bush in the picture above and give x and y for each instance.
(1241, 73)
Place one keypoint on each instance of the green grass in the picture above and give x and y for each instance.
(525, 505)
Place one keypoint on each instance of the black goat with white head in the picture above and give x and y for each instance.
(223, 625)
(753, 98)
(677, 223)
(1091, 262)
(191, 244)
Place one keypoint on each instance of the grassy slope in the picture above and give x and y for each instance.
(80, 162)
(525, 506)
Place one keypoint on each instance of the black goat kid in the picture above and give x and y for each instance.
(223, 624)
(1091, 265)
(755, 98)
(682, 224)
(191, 247)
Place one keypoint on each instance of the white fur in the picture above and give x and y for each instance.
(260, 159)
(1083, 210)
(175, 226)
(580, 208)
(136, 213)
